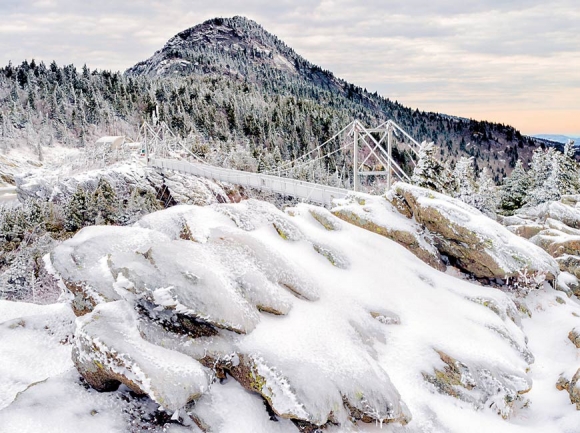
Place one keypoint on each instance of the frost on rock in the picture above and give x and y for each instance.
(82, 262)
(110, 350)
(305, 320)
(478, 244)
(379, 216)
(480, 385)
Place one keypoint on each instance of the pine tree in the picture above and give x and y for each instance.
(514, 192)
(79, 211)
(105, 201)
(464, 187)
(429, 173)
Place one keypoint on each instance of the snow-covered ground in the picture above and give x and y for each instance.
(371, 320)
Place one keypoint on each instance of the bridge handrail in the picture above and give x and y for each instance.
(297, 188)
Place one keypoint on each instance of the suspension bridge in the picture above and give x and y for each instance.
(367, 152)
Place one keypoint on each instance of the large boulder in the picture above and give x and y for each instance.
(557, 243)
(109, 350)
(298, 307)
(379, 216)
(476, 243)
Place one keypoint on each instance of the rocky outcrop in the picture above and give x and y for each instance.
(377, 215)
(557, 243)
(479, 385)
(572, 386)
(475, 243)
(574, 337)
(169, 187)
(294, 306)
(555, 227)
(109, 350)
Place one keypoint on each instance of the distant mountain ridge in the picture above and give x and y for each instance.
(559, 138)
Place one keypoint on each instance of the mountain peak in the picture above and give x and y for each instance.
(234, 46)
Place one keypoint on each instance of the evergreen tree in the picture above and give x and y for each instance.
(79, 211)
(105, 201)
(568, 181)
(464, 187)
(514, 192)
(487, 196)
(548, 190)
(429, 173)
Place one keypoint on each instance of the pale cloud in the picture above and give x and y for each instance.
(512, 61)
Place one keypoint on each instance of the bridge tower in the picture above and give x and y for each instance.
(365, 143)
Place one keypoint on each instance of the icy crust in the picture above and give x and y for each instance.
(258, 294)
(109, 350)
(380, 216)
(34, 345)
(481, 245)
(82, 262)
(170, 186)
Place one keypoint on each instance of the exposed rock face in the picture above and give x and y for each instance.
(479, 245)
(555, 227)
(170, 187)
(290, 305)
(478, 385)
(569, 263)
(379, 216)
(109, 350)
(574, 337)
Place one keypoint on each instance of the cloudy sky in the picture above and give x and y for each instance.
(511, 61)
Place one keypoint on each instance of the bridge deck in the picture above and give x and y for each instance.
(290, 187)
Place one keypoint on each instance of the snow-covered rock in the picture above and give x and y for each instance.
(297, 306)
(557, 243)
(34, 345)
(380, 216)
(168, 186)
(109, 350)
(478, 244)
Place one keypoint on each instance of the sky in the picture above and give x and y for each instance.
(510, 61)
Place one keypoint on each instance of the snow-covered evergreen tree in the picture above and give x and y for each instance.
(514, 192)
(429, 173)
(487, 196)
(105, 202)
(552, 175)
(79, 211)
(464, 187)
(568, 181)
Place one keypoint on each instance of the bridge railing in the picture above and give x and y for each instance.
(290, 187)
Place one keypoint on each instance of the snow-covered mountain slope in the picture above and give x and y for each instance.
(331, 324)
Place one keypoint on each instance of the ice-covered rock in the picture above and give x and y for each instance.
(574, 337)
(479, 245)
(557, 243)
(109, 350)
(296, 306)
(169, 187)
(572, 386)
(380, 216)
(568, 283)
(479, 384)
(563, 211)
(34, 345)
(83, 262)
